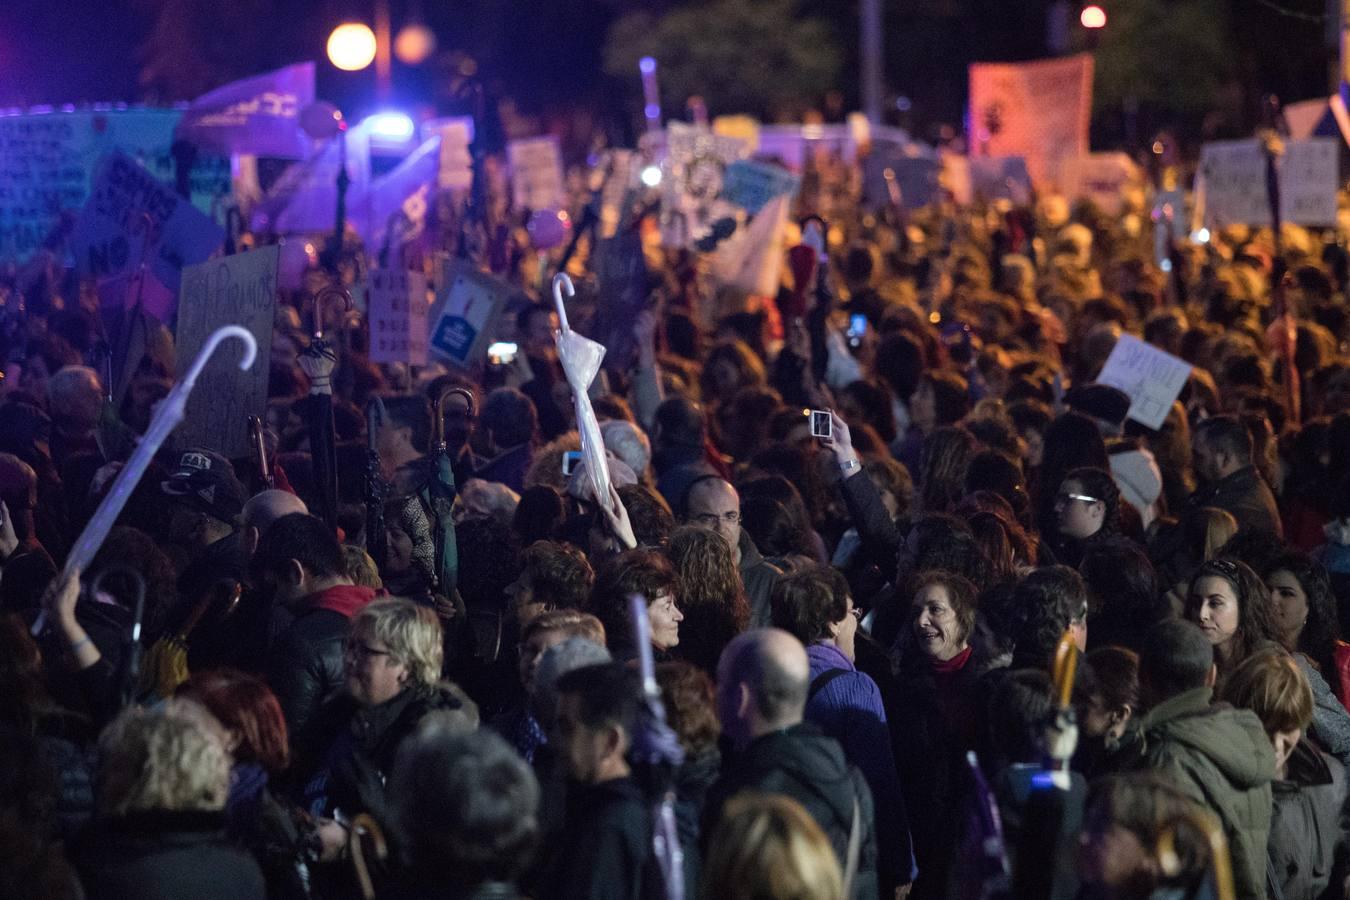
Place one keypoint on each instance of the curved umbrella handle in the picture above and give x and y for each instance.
(562, 284)
(316, 308)
(220, 334)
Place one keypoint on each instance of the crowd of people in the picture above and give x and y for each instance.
(859, 631)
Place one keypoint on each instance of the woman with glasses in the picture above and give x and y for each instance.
(392, 662)
(1087, 510)
(814, 606)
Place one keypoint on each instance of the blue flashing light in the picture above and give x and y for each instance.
(391, 126)
(652, 110)
(646, 65)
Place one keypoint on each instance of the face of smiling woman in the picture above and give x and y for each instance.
(936, 625)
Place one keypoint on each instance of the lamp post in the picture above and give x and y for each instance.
(354, 45)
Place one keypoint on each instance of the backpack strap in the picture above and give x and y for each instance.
(820, 681)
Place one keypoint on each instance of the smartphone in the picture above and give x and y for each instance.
(569, 462)
(502, 353)
(857, 327)
(821, 426)
(813, 236)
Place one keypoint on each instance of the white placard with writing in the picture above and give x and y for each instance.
(1152, 378)
(1233, 174)
(536, 173)
(398, 317)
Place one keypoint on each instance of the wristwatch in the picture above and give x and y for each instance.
(848, 466)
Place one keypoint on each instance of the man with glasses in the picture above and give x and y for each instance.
(713, 502)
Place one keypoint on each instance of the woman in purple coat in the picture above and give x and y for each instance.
(814, 605)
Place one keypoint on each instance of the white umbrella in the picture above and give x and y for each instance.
(581, 358)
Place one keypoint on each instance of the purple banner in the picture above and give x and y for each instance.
(258, 115)
(409, 190)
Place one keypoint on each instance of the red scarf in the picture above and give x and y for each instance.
(953, 665)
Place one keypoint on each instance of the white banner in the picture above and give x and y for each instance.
(1232, 181)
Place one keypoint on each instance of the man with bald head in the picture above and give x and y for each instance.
(264, 508)
(713, 502)
(763, 681)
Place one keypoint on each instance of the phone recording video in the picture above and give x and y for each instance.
(821, 426)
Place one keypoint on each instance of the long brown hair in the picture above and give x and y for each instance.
(712, 597)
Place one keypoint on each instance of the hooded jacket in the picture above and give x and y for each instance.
(802, 763)
(1221, 758)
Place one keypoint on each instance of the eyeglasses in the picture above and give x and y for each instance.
(711, 519)
(1083, 498)
(358, 651)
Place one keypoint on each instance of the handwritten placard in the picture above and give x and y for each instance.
(398, 317)
(1152, 378)
(130, 216)
(1233, 179)
(1103, 178)
(47, 161)
(536, 173)
(466, 310)
(232, 290)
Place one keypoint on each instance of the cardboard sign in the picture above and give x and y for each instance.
(48, 160)
(1103, 178)
(456, 163)
(131, 216)
(750, 185)
(1151, 377)
(232, 290)
(467, 307)
(1037, 110)
(398, 317)
(752, 259)
(693, 176)
(536, 173)
(1000, 178)
(1232, 179)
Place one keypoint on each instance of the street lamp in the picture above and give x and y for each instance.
(351, 46)
(1092, 17)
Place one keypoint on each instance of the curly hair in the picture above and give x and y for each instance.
(1044, 604)
(1320, 633)
(643, 572)
(560, 576)
(943, 463)
(246, 706)
(411, 632)
(687, 694)
(174, 757)
(807, 602)
(1254, 623)
(1098, 483)
(713, 598)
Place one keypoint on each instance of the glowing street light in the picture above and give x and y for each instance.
(414, 43)
(1092, 16)
(351, 46)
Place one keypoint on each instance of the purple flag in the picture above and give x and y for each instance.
(258, 115)
(304, 198)
(408, 189)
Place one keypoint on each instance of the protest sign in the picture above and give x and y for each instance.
(258, 115)
(752, 259)
(536, 173)
(465, 312)
(47, 161)
(399, 200)
(692, 180)
(954, 178)
(398, 317)
(1232, 181)
(1037, 110)
(1102, 178)
(131, 216)
(1152, 378)
(891, 174)
(621, 272)
(232, 290)
(1000, 178)
(750, 184)
(456, 163)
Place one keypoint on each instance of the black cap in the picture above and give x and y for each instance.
(205, 480)
(1100, 401)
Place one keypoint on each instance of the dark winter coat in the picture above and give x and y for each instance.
(802, 763)
(605, 851)
(161, 855)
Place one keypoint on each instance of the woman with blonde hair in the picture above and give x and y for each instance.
(392, 660)
(767, 847)
(1178, 547)
(163, 779)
